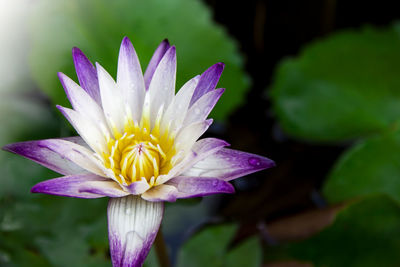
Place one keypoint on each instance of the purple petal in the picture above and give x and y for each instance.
(200, 110)
(87, 74)
(200, 150)
(80, 186)
(76, 140)
(77, 154)
(208, 81)
(229, 164)
(39, 152)
(133, 224)
(161, 192)
(162, 86)
(199, 186)
(156, 58)
(92, 132)
(138, 187)
(188, 135)
(130, 78)
(81, 101)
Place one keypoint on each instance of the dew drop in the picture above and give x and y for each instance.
(128, 211)
(215, 183)
(254, 161)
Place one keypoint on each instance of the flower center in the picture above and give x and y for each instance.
(137, 154)
(140, 160)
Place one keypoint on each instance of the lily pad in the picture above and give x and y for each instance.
(366, 233)
(210, 248)
(341, 87)
(98, 26)
(370, 167)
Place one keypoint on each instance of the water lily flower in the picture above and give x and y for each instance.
(138, 144)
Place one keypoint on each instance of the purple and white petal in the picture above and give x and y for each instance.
(161, 193)
(162, 86)
(200, 150)
(138, 187)
(228, 164)
(76, 140)
(87, 74)
(200, 110)
(39, 153)
(95, 137)
(77, 154)
(188, 135)
(154, 61)
(81, 186)
(133, 224)
(177, 110)
(81, 101)
(130, 79)
(208, 81)
(199, 186)
(115, 109)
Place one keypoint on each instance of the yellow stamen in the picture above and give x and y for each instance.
(139, 153)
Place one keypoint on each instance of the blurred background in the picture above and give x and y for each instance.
(312, 84)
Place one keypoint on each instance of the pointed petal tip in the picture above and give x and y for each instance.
(171, 51)
(62, 77)
(79, 57)
(221, 65)
(76, 51)
(60, 108)
(34, 189)
(221, 91)
(260, 163)
(126, 39)
(126, 42)
(9, 148)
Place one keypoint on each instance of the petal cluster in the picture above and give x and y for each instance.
(139, 144)
(137, 137)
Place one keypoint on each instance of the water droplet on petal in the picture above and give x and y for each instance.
(215, 183)
(128, 211)
(254, 161)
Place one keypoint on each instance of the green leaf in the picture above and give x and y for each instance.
(43, 230)
(342, 87)
(98, 26)
(370, 167)
(248, 253)
(366, 233)
(210, 248)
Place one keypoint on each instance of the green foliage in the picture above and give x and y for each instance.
(98, 26)
(370, 167)
(42, 230)
(341, 87)
(366, 233)
(210, 248)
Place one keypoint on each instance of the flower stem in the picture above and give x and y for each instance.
(161, 250)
